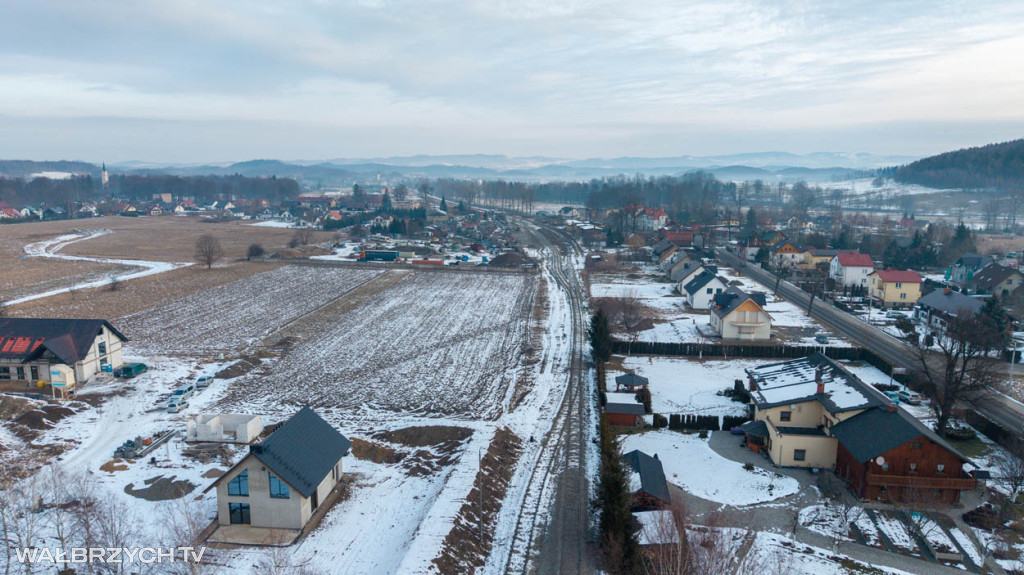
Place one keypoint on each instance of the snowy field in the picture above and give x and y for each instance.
(692, 465)
(772, 553)
(231, 317)
(379, 354)
(690, 386)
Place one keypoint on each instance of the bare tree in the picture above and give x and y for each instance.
(1009, 468)
(962, 372)
(400, 193)
(208, 250)
(23, 524)
(632, 314)
(282, 561)
(302, 237)
(839, 510)
(184, 525)
(114, 282)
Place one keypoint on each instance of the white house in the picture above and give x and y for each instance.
(692, 273)
(739, 315)
(701, 290)
(682, 267)
(223, 428)
(62, 352)
(650, 219)
(283, 480)
(851, 270)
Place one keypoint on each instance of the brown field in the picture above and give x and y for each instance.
(998, 243)
(168, 238)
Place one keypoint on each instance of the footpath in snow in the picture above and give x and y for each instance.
(51, 249)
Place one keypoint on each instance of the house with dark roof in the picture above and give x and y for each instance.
(890, 288)
(938, 307)
(647, 481)
(736, 314)
(967, 266)
(282, 481)
(851, 270)
(61, 352)
(998, 280)
(624, 410)
(692, 273)
(701, 290)
(682, 265)
(813, 412)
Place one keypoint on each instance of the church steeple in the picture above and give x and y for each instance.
(104, 176)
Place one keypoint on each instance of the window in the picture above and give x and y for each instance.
(102, 348)
(941, 468)
(34, 370)
(899, 285)
(915, 445)
(786, 415)
(903, 296)
(710, 290)
(278, 489)
(239, 485)
(799, 454)
(913, 467)
(239, 513)
(5, 373)
(21, 373)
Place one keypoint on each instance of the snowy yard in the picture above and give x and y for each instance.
(692, 465)
(681, 385)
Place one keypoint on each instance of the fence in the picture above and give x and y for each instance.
(696, 422)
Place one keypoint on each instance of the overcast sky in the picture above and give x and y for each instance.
(209, 80)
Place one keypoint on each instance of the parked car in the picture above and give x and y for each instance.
(893, 396)
(130, 370)
(184, 392)
(895, 315)
(204, 381)
(910, 397)
(821, 338)
(177, 405)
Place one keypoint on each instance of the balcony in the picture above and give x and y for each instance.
(961, 483)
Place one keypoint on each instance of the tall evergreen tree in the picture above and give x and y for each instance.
(600, 337)
(444, 205)
(385, 203)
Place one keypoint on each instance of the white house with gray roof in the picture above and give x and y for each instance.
(282, 481)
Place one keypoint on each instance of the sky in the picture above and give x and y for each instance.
(191, 81)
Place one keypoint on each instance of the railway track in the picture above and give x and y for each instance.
(557, 542)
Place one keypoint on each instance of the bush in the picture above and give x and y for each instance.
(963, 433)
(748, 466)
(660, 421)
(703, 434)
(255, 251)
(886, 387)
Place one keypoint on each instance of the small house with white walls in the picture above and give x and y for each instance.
(701, 291)
(223, 428)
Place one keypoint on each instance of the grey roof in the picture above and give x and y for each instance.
(951, 302)
(702, 279)
(303, 450)
(971, 261)
(757, 428)
(24, 339)
(631, 379)
(731, 299)
(624, 408)
(652, 474)
(794, 381)
(877, 431)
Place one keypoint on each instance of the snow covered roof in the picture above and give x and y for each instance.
(795, 381)
(656, 528)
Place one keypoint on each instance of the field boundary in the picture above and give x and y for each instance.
(404, 266)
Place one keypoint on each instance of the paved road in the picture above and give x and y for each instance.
(999, 408)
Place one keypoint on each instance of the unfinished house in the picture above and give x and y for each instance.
(223, 428)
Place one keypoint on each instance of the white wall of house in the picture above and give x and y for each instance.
(849, 276)
(97, 358)
(267, 511)
(702, 298)
(745, 325)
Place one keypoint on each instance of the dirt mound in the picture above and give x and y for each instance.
(239, 368)
(114, 465)
(213, 473)
(510, 260)
(375, 452)
(44, 417)
(425, 436)
(12, 406)
(301, 252)
(161, 488)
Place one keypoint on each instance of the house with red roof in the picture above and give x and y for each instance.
(851, 270)
(895, 287)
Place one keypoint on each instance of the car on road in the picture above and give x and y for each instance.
(177, 405)
(184, 392)
(130, 370)
(204, 381)
(907, 396)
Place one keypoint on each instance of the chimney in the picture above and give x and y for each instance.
(891, 407)
(753, 387)
(947, 291)
(821, 382)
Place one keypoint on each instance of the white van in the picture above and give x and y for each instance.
(177, 405)
(184, 392)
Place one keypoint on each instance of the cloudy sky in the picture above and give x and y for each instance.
(213, 80)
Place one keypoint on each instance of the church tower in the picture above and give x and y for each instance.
(104, 176)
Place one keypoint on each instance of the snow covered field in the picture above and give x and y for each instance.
(692, 465)
(690, 386)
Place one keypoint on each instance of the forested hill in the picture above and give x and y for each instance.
(998, 166)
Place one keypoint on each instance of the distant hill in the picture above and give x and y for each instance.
(995, 166)
(25, 168)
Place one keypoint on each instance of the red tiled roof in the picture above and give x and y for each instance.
(905, 276)
(855, 260)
